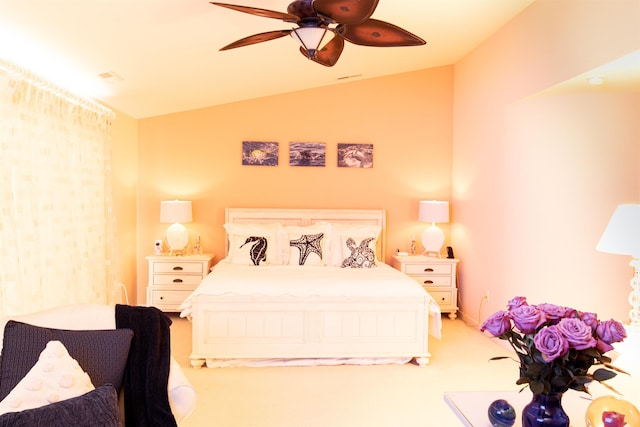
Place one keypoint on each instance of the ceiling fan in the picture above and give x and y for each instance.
(324, 25)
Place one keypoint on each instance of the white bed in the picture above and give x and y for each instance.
(283, 314)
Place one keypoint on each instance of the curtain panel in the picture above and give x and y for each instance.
(57, 225)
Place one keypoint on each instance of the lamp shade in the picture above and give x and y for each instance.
(622, 235)
(433, 211)
(312, 39)
(172, 211)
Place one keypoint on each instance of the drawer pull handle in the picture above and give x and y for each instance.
(428, 282)
(177, 268)
(161, 297)
(428, 270)
(177, 280)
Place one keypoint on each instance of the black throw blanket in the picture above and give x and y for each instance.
(146, 400)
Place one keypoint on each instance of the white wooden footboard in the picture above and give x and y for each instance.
(231, 327)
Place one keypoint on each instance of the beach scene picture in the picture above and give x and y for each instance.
(307, 153)
(259, 153)
(355, 155)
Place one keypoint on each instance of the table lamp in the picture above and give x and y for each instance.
(176, 212)
(433, 211)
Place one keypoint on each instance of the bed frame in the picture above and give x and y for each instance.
(234, 327)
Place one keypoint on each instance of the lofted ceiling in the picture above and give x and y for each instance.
(161, 56)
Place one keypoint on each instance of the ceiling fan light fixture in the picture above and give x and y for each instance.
(312, 39)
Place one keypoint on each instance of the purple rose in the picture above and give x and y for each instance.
(611, 331)
(497, 324)
(516, 302)
(570, 312)
(553, 312)
(590, 319)
(527, 318)
(551, 343)
(603, 346)
(577, 333)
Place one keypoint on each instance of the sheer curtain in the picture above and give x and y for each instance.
(57, 226)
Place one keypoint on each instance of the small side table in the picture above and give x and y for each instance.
(173, 278)
(436, 275)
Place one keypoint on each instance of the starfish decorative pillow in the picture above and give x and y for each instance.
(308, 245)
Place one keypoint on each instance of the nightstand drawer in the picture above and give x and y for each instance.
(174, 298)
(177, 267)
(443, 298)
(443, 281)
(176, 279)
(412, 269)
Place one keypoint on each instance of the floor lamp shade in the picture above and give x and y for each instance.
(622, 236)
(176, 212)
(433, 211)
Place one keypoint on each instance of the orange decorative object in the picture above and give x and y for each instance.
(608, 404)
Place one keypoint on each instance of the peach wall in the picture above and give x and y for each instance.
(537, 178)
(196, 155)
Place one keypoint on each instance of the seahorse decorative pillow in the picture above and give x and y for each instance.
(254, 244)
(307, 245)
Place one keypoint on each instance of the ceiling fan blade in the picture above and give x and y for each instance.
(377, 33)
(286, 17)
(328, 56)
(257, 38)
(346, 11)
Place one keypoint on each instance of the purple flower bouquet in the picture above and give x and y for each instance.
(556, 346)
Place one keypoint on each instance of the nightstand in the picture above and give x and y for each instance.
(436, 275)
(173, 278)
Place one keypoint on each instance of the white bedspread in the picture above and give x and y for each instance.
(310, 281)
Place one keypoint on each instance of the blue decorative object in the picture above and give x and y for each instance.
(545, 410)
(501, 413)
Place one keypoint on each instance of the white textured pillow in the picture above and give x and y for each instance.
(56, 376)
(307, 245)
(254, 244)
(339, 234)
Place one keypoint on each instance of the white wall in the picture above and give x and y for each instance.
(536, 178)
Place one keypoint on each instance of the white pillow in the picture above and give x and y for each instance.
(307, 245)
(56, 376)
(254, 244)
(339, 235)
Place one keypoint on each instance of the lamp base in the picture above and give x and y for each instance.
(432, 241)
(177, 238)
(634, 295)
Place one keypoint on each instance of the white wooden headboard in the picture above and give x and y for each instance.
(303, 217)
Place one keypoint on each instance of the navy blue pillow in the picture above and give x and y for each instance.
(97, 408)
(101, 354)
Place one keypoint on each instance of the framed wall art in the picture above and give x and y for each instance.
(355, 155)
(258, 153)
(307, 153)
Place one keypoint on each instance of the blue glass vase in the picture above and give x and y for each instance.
(545, 410)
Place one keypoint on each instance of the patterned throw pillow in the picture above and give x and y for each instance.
(307, 245)
(358, 252)
(254, 244)
(339, 251)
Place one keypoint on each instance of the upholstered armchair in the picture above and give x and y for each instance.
(73, 324)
